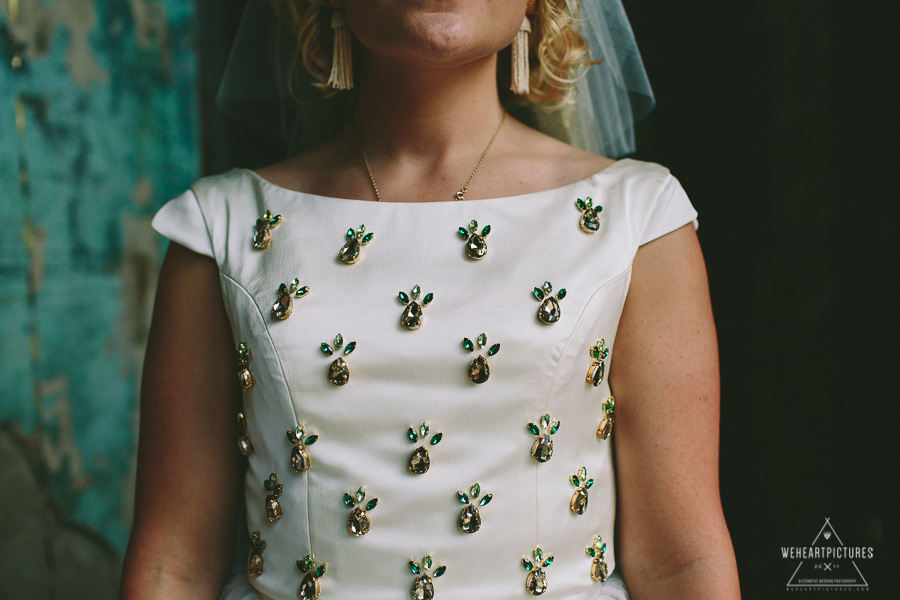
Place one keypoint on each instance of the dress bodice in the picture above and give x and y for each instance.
(369, 428)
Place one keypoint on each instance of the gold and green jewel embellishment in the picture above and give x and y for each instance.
(478, 371)
(244, 357)
(542, 449)
(358, 524)
(244, 445)
(423, 586)
(284, 305)
(419, 462)
(549, 311)
(606, 425)
(338, 372)
(590, 215)
(264, 225)
(412, 314)
(598, 367)
(300, 459)
(275, 489)
(309, 587)
(470, 519)
(476, 247)
(599, 569)
(255, 563)
(536, 582)
(349, 253)
(582, 484)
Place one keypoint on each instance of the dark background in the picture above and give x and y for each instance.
(780, 119)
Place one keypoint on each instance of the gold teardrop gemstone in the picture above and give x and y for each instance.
(358, 523)
(479, 370)
(469, 519)
(590, 221)
(412, 316)
(536, 583)
(350, 251)
(246, 379)
(605, 429)
(419, 461)
(542, 449)
(255, 566)
(244, 445)
(300, 459)
(476, 247)
(549, 312)
(579, 501)
(262, 237)
(273, 508)
(309, 587)
(596, 372)
(338, 372)
(423, 588)
(283, 306)
(599, 570)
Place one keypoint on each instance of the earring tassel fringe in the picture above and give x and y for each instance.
(341, 77)
(520, 68)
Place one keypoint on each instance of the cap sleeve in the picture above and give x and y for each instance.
(671, 210)
(182, 221)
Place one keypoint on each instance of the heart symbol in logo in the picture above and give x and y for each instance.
(827, 535)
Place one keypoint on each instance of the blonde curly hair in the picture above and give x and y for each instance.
(558, 53)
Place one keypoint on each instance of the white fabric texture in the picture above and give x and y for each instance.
(401, 378)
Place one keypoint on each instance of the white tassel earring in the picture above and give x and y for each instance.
(341, 77)
(520, 68)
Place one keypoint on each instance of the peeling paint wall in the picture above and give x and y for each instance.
(97, 130)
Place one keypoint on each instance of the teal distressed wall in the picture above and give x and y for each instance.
(97, 130)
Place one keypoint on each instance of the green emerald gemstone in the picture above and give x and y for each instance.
(368, 238)
(403, 297)
(423, 430)
(589, 202)
(548, 287)
(548, 561)
(351, 233)
(414, 567)
(295, 283)
(463, 233)
(320, 571)
(338, 341)
(603, 547)
(360, 231)
(545, 420)
(462, 497)
(595, 352)
(468, 345)
(554, 428)
(561, 294)
(326, 349)
(426, 562)
(527, 564)
(311, 440)
(494, 350)
(371, 503)
(428, 298)
(302, 291)
(350, 348)
(538, 554)
(582, 472)
(590, 552)
(436, 438)
(476, 490)
(308, 562)
(348, 500)
(412, 435)
(360, 495)
(538, 293)
(575, 480)
(485, 230)
(440, 570)
(416, 291)
(534, 429)
(482, 340)
(589, 484)
(580, 204)
(486, 500)
(473, 225)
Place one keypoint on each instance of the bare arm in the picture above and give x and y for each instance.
(673, 542)
(189, 470)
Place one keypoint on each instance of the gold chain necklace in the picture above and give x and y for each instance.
(461, 194)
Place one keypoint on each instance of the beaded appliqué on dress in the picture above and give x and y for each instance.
(338, 372)
(359, 523)
(412, 314)
(469, 520)
(300, 458)
(419, 462)
(264, 225)
(549, 311)
(478, 371)
(579, 502)
(542, 449)
(599, 569)
(536, 582)
(590, 219)
(349, 253)
(244, 357)
(273, 506)
(476, 246)
(255, 563)
(597, 370)
(284, 305)
(244, 445)
(423, 586)
(309, 587)
(606, 425)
